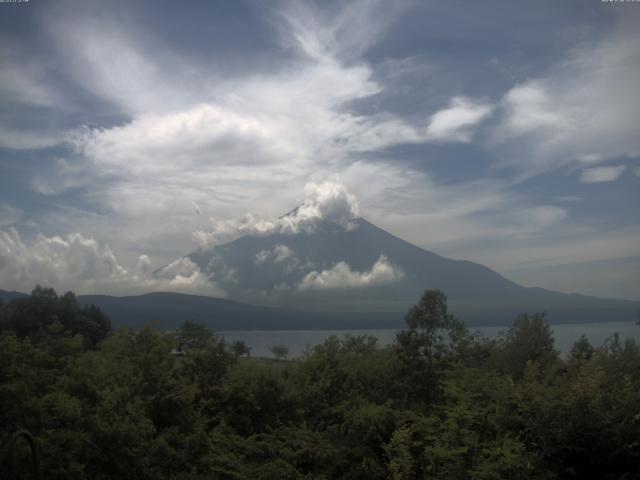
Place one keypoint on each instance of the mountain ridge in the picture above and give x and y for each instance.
(354, 276)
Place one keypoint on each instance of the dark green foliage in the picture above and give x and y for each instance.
(528, 340)
(582, 349)
(279, 351)
(44, 315)
(240, 348)
(192, 336)
(440, 403)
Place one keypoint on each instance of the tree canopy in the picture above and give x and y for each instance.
(439, 403)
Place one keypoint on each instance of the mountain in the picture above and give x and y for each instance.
(360, 268)
(341, 275)
(7, 296)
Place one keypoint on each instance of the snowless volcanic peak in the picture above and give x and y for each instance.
(334, 258)
(354, 266)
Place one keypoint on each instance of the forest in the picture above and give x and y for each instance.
(441, 402)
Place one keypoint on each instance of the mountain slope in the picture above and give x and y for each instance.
(333, 269)
(235, 267)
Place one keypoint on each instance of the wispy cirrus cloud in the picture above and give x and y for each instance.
(601, 174)
(9, 215)
(455, 123)
(25, 82)
(28, 140)
(573, 114)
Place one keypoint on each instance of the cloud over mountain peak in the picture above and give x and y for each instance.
(326, 203)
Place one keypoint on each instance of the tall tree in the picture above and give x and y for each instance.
(428, 343)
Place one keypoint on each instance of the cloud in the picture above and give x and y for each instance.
(575, 245)
(455, 123)
(529, 109)
(279, 254)
(57, 261)
(165, 144)
(573, 114)
(62, 175)
(110, 61)
(531, 221)
(327, 203)
(25, 83)
(591, 158)
(144, 267)
(547, 214)
(239, 143)
(228, 145)
(341, 276)
(9, 215)
(28, 140)
(80, 263)
(344, 33)
(169, 133)
(611, 278)
(601, 174)
(186, 275)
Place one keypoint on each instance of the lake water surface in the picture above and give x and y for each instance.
(299, 340)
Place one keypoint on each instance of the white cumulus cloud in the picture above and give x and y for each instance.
(79, 263)
(61, 262)
(341, 276)
(186, 274)
(326, 203)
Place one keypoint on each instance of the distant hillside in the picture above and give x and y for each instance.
(169, 310)
(7, 296)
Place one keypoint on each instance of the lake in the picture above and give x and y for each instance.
(299, 340)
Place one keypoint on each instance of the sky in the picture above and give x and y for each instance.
(132, 133)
